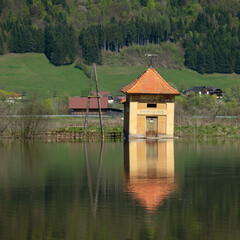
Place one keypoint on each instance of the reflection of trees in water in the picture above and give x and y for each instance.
(59, 207)
(20, 158)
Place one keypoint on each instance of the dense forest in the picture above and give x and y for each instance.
(207, 31)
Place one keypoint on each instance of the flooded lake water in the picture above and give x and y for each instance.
(138, 190)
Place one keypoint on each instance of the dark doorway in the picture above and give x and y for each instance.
(151, 126)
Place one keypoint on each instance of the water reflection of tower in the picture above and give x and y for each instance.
(149, 171)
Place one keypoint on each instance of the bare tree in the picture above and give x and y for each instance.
(31, 119)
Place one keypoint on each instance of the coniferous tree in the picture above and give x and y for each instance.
(24, 38)
(89, 46)
(57, 2)
(1, 6)
(59, 44)
(143, 2)
(130, 33)
(237, 60)
(29, 2)
(1, 46)
(191, 57)
(179, 28)
(200, 62)
(208, 53)
(182, 3)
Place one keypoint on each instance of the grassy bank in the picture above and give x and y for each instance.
(214, 130)
(34, 74)
(224, 128)
(77, 124)
(181, 131)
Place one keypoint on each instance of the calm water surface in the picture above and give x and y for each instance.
(137, 190)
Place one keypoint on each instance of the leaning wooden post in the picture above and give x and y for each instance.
(88, 103)
(98, 99)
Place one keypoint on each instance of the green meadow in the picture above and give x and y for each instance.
(34, 74)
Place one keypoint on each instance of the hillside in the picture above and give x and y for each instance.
(32, 73)
(206, 33)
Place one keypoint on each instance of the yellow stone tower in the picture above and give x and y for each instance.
(149, 107)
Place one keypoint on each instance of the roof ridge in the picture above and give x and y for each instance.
(139, 79)
(164, 81)
(133, 83)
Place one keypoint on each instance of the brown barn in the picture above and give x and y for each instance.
(78, 105)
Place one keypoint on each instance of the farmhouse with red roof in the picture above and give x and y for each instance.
(78, 105)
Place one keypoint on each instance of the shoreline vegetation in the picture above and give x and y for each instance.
(195, 117)
(210, 130)
(72, 129)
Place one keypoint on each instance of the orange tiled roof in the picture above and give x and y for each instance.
(150, 82)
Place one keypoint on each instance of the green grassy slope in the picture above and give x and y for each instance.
(34, 74)
(190, 78)
(115, 77)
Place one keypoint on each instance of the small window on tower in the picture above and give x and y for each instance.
(151, 105)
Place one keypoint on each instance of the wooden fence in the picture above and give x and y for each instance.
(76, 136)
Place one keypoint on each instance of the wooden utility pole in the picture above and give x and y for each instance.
(93, 75)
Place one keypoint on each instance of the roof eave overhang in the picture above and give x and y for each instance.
(86, 108)
(175, 94)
